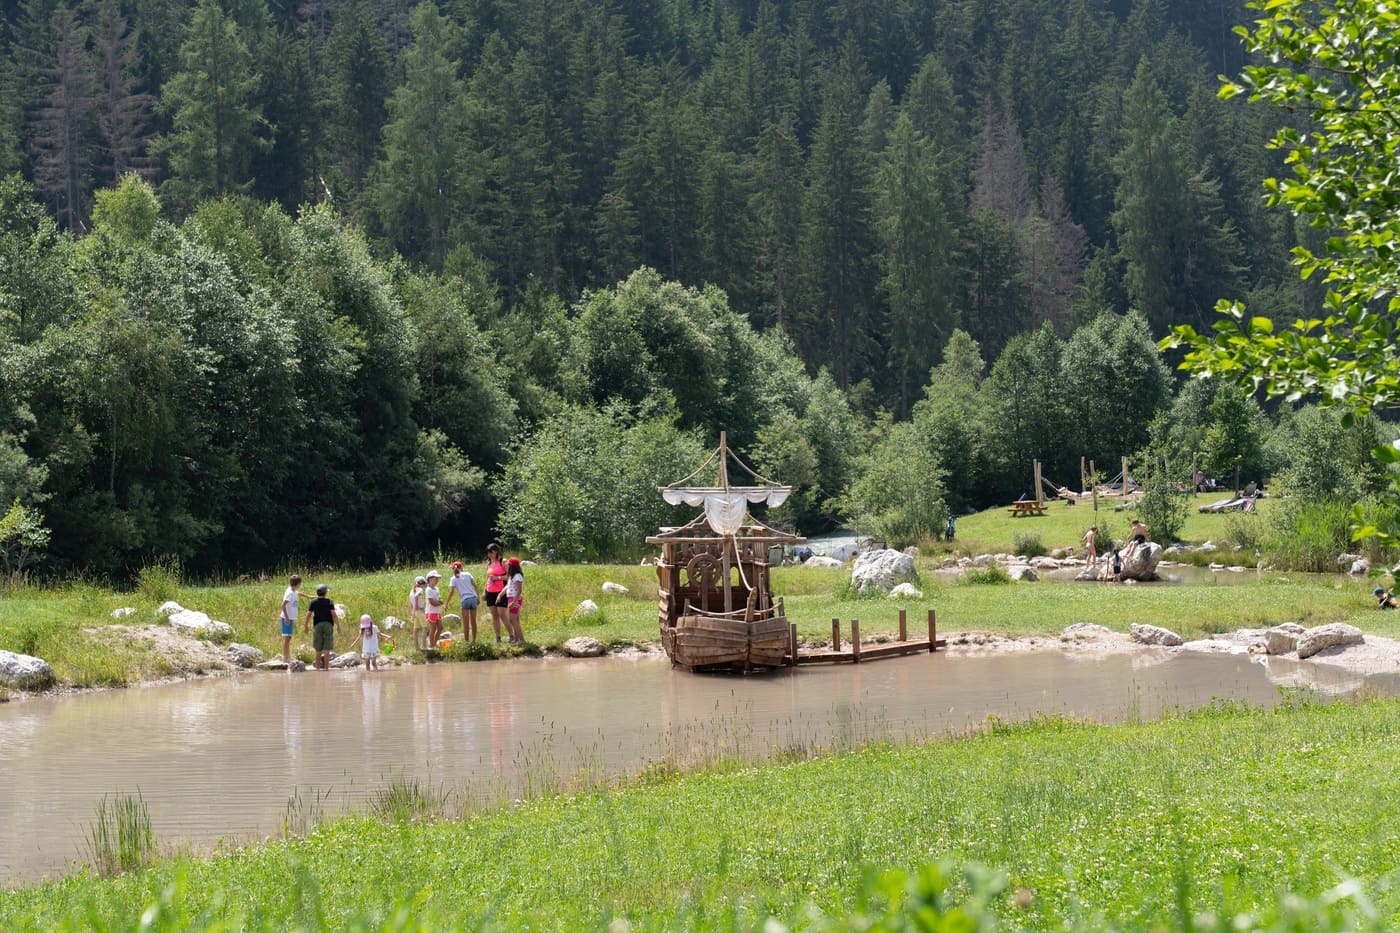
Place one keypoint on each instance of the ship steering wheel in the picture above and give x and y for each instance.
(704, 572)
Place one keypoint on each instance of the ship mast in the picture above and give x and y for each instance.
(727, 539)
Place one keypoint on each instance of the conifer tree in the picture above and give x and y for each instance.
(357, 90)
(214, 113)
(123, 112)
(63, 126)
(776, 205)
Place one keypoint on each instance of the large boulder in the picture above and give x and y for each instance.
(587, 613)
(1154, 635)
(168, 607)
(1327, 636)
(194, 622)
(906, 591)
(880, 571)
(581, 646)
(1142, 565)
(347, 660)
(24, 671)
(245, 655)
(1282, 639)
(276, 664)
(821, 560)
(614, 589)
(123, 612)
(1022, 573)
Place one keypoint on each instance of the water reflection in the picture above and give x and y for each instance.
(221, 759)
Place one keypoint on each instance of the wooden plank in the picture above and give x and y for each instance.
(855, 641)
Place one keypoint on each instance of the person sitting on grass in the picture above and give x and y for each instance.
(368, 640)
(1385, 600)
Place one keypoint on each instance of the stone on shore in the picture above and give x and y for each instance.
(880, 571)
(1282, 639)
(581, 646)
(614, 589)
(245, 655)
(821, 560)
(587, 612)
(275, 664)
(1328, 636)
(1142, 565)
(24, 671)
(194, 622)
(1086, 631)
(1023, 573)
(1154, 635)
(906, 591)
(123, 612)
(347, 660)
(168, 607)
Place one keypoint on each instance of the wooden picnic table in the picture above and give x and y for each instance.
(1026, 507)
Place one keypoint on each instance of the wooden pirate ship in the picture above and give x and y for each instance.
(717, 611)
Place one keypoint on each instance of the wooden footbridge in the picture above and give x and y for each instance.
(854, 652)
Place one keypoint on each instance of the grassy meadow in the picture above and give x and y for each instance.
(1199, 822)
(56, 622)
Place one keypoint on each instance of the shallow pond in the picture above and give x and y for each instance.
(220, 759)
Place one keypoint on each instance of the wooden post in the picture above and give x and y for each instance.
(1082, 480)
(725, 545)
(903, 626)
(1039, 494)
(792, 642)
(1094, 489)
(932, 630)
(835, 634)
(1125, 477)
(855, 641)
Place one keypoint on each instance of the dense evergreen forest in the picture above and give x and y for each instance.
(340, 278)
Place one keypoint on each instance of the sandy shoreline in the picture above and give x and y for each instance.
(192, 659)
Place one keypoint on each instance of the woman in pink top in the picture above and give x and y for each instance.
(495, 591)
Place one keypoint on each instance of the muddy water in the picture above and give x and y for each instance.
(219, 760)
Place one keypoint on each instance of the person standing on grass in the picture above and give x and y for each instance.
(417, 610)
(496, 587)
(322, 613)
(514, 597)
(291, 611)
(432, 608)
(464, 586)
(1091, 552)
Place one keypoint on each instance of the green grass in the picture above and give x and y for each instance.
(49, 622)
(1177, 824)
(994, 530)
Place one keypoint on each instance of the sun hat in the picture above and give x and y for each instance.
(366, 620)
(456, 565)
(420, 579)
(514, 562)
(434, 575)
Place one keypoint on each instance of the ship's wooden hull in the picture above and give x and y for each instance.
(709, 642)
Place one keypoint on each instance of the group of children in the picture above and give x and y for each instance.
(504, 594)
(1138, 535)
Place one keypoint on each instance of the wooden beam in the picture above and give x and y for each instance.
(932, 630)
(835, 634)
(855, 640)
(792, 642)
(903, 625)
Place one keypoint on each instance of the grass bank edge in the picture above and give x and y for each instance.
(1009, 776)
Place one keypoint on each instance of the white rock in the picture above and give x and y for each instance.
(647, 562)
(528, 563)
(1086, 631)
(245, 655)
(123, 612)
(168, 607)
(1360, 567)
(820, 560)
(1208, 546)
(879, 571)
(586, 611)
(1345, 559)
(390, 623)
(1045, 563)
(276, 664)
(24, 671)
(948, 562)
(1022, 573)
(1281, 639)
(195, 622)
(452, 616)
(1154, 635)
(912, 550)
(964, 561)
(1328, 636)
(1216, 567)
(581, 646)
(1142, 565)
(906, 591)
(984, 560)
(340, 611)
(614, 589)
(347, 660)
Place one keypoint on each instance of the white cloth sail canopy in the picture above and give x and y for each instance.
(725, 508)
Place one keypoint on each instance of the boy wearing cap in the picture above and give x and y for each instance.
(322, 612)
(432, 604)
(465, 587)
(1384, 600)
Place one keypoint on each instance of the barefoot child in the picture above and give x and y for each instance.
(368, 640)
(515, 596)
(465, 587)
(291, 611)
(415, 610)
(432, 608)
